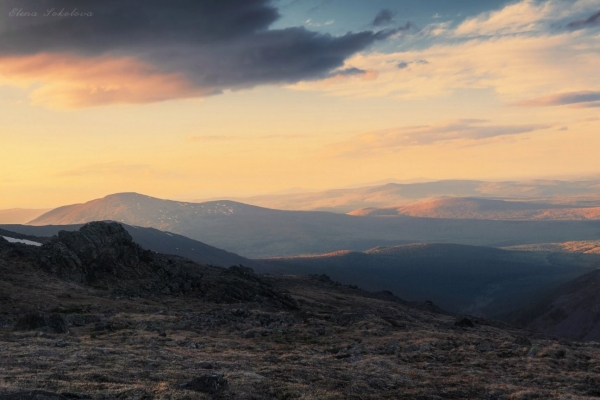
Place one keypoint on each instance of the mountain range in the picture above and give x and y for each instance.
(491, 209)
(258, 232)
(399, 194)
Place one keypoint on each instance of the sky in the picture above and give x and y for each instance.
(193, 99)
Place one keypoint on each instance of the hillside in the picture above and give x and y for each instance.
(92, 315)
(150, 238)
(571, 311)
(474, 280)
(398, 194)
(479, 208)
(20, 215)
(140, 210)
(256, 232)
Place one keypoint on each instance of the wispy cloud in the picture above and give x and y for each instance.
(592, 20)
(384, 17)
(471, 130)
(521, 51)
(311, 23)
(585, 98)
(405, 64)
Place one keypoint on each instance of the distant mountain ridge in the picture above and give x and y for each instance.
(137, 209)
(582, 246)
(257, 232)
(399, 194)
(481, 208)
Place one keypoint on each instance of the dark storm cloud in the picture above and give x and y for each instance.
(384, 17)
(594, 19)
(117, 24)
(285, 56)
(215, 44)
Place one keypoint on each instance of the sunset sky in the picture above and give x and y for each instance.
(200, 99)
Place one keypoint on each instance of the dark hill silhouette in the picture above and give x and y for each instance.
(149, 238)
(260, 232)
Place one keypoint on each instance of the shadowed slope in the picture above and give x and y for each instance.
(475, 280)
(573, 311)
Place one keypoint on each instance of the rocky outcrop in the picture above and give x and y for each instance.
(97, 251)
(104, 255)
